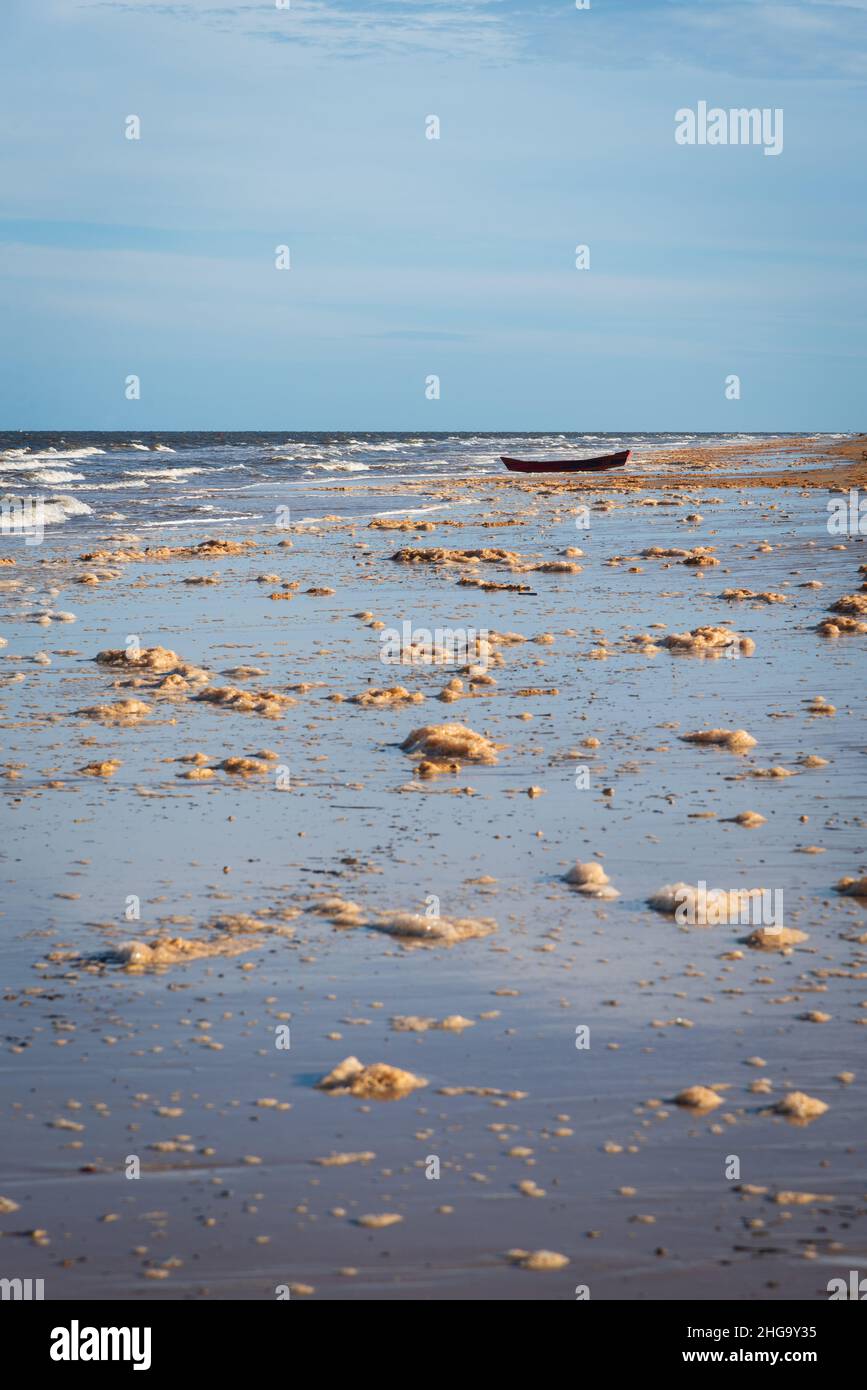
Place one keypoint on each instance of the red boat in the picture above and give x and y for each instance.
(594, 465)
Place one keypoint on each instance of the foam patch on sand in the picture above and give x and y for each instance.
(708, 641)
(734, 740)
(705, 907)
(415, 929)
(379, 1081)
(444, 744)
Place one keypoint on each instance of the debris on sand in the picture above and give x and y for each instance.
(171, 950)
(852, 887)
(698, 1098)
(439, 555)
(590, 878)
(339, 911)
(205, 550)
(392, 695)
(340, 1160)
(104, 769)
(819, 705)
(699, 555)
(749, 819)
(394, 523)
(411, 1023)
(141, 658)
(537, 1259)
(741, 595)
(840, 626)
(850, 603)
(490, 586)
(799, 1106)
(482, 1091)
(269, 703)
(123, 713)
(553, 567)
(735, 740)
(379, 1081)
(708, 641)
(238, 766)
(705, 907)
(451, 741)
(379, 1221)
(775, 938)
(800, 1199)
(415, 929)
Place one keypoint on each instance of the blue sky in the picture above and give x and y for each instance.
(411, 257)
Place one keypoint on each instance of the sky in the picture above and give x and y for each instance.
(411, 258)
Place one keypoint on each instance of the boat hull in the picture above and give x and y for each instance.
(594, 465)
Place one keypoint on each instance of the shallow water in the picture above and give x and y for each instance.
(570, 960)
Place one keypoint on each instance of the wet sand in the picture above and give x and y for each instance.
(244, 872)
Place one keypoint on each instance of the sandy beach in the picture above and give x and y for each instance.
(330, 838)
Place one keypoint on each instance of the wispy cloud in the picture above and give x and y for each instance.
(483, 30)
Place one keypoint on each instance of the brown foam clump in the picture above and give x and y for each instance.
(812, 760)
(415, 929)
(800, 1199)
(142, 658)
(850, 603)
(238, 766)
(269, 703)
(122, 712)
(740, 595)
(394, 523)
(439, 555)
(204, 550)
(749, 819)
(451, 741)
(379, 1081)
(340, 1160)
(411, 1023)
(705, 907)
(392, 695)
(775, 938)
(377, 1221)
(104, 769)
(735, 740)
(339, 911)
(698, 555)
(590, 878)
(779, 771)
(708, 641)
(539, 1260)
(841, 626)
(698, 1098)
(799, 1106)
(852, 887)
(553, 567)
(819, 705)
(176, 950)
(492, 586)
